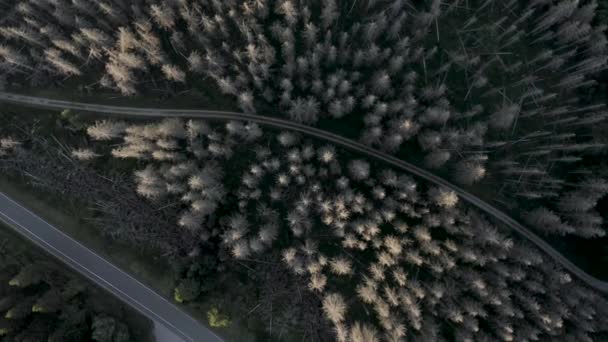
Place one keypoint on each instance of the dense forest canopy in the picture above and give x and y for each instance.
(380, 251)
(486, 91)
(40, 301)
(504, 97)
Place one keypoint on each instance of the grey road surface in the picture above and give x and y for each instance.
(103, 273)
(163, 334)
(327, 136)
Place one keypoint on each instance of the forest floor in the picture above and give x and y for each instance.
(140, 327)
(148, 268)
(583, 253)
(64, 215)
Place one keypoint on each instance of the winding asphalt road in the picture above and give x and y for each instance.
(103, 273)
(323, 135)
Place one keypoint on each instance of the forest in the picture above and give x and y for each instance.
(40, 301)
(506, 98)
(349, 235)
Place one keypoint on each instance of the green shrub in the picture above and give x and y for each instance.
(217, 319)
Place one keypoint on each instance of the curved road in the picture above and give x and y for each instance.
(103, 273)
(320, 134)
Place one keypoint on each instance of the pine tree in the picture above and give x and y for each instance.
(49, 302)
(106, 130)
(334, 307)
(359, 169)
(31, 274)
(443, 198)
(103, 328)
(547, 221)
